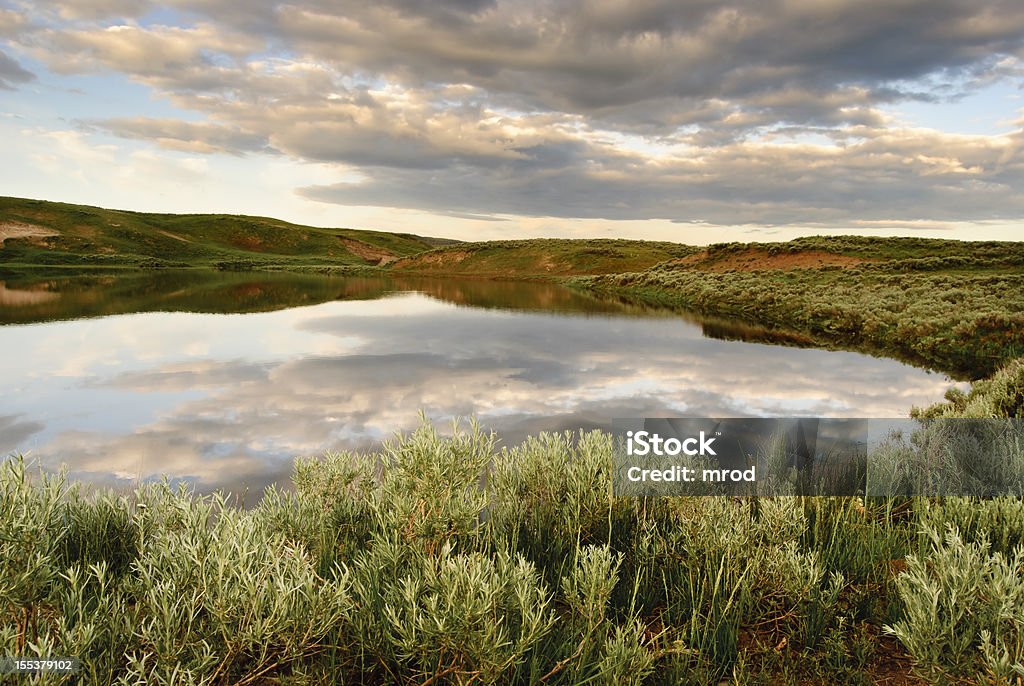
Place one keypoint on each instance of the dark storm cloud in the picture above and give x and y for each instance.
(592, 56)
(615, 56)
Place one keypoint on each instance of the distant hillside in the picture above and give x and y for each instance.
(543, 257)
(37, 233)
(901, 253)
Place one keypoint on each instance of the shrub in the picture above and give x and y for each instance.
(1002, 395)
(442, 560)
(964, 613)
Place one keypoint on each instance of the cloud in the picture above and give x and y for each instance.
(198, 58)
(612, 55)
(903, 175)
(697, 111)
(599, 58)
(11, 22)
(12, 73)
(15, 431)
(102, 9)
(185, 136)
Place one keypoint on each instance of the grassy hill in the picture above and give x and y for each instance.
(543, 257)
(951, 305)
(39, 233)
(878, 252)
(36, 234)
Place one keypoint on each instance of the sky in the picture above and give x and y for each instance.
(686, 120)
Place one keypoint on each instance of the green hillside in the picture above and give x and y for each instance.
(956, 306)
(543, 257)
(39, 233)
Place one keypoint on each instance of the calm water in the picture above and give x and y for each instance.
(226, 400)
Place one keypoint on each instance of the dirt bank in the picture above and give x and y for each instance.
(20, 230)
(753, 259)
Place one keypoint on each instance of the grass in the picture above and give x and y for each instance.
(92, 237)
(442, 559)
(961, 310)
(1001, 395)
(545, 257)
(909, 251)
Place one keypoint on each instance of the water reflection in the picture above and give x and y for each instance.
(40, 300)
(227, 401)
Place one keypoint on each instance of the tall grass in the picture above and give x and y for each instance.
(447, 560)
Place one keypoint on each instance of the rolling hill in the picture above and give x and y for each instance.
(543, 257)
(42, 233)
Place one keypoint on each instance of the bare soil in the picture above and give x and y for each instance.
(21, 230)
(752, 259)
(368, 252)
(446, 257)
(168, 234)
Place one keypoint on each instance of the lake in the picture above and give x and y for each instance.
(220, 380)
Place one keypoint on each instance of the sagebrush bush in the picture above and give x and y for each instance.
(1001, 395)
(969, 324)
(446, 560)
(964, 613)
(951, 457)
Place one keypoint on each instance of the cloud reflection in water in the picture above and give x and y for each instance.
(227, 401)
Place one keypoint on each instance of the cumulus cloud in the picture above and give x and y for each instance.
(695, 111)
(601, 54)
(175, 134)
(11, 22)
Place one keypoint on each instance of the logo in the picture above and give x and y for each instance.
(645, 443)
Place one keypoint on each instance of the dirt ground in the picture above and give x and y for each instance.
(20, 230)
(434, 259)
(367, 251)
(752, 260)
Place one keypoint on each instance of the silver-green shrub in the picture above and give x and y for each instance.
(442, 559)
(964, 610)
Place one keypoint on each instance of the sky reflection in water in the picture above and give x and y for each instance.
(225, 401)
